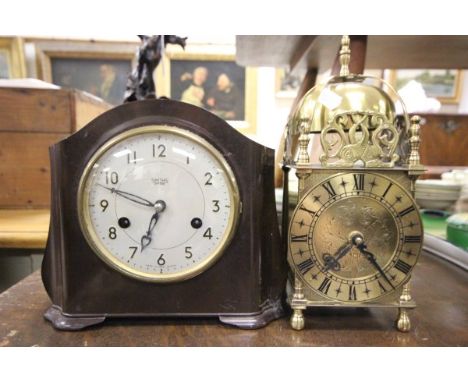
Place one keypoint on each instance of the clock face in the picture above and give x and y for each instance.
(158, 203)
(355, 237)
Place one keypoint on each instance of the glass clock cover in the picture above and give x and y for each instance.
(158, 203)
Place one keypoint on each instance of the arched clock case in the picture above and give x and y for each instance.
(162, 209)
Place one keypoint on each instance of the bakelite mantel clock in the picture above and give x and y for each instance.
(355, 234)
(160, 208)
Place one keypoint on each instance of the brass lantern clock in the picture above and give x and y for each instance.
(355, 233)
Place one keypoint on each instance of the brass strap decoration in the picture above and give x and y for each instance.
(365, 137)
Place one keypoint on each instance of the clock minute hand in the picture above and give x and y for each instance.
(371, 257)
(132, 197)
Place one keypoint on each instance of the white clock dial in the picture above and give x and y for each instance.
(158, 203)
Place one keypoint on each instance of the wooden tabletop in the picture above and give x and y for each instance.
(24, 228)
(441, 319)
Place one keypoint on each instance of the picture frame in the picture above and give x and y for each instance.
(442, 84)
(287, 84)
(100, 68)
(229, 90)
(12, 60)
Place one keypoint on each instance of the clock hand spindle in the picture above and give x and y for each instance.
(132, 197)
(160, 206)
(371, 258)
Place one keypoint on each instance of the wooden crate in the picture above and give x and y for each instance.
(30, 121)
(444, 139)
(444, 143)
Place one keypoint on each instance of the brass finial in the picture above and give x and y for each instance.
(414, 141)
(345, 56)
(303, 157)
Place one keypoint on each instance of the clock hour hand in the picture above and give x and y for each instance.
(371, 257)
(127, 195)
(332, 262)
(160, 206)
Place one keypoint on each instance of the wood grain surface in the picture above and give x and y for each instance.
(441, 319)
(30, 121)
(25, 169)
(36, 110)
(47, 110)
(444, 140)
(24, 228)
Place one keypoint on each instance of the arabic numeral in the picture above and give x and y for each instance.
(112, 178)
(104, 204)
(161, 260)
(208, 233)
(160, 150)
(208, 177)
(112, 233)
(130, 159)
(133, 250)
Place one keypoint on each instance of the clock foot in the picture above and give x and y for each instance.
(59, 321)
(403, 320)
(297, 319)
(271, 310)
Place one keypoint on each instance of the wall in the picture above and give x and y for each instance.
(272, 111)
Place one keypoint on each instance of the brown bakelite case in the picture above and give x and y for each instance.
(243, 288)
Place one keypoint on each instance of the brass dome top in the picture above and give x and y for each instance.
(344, 94)
(356, 118)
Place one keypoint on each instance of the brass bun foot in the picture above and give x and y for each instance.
(403, 322)
(297, 319)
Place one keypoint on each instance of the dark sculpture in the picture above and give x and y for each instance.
(140, 84)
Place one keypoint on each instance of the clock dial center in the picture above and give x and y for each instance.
(356, 238)
(353, 220)
(178, 199)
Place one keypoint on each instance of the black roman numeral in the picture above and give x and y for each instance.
(299, 238)
(387, 189)
(406, 211)
(412, 239)
(325, 286)
(382, 287)
(352, 293)
(402, 266)
(305, 266)
(307, 210)
(329, 188)
(358, 182)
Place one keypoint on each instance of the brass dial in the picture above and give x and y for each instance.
(355, 237)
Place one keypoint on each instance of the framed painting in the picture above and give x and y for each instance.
(443, 84)
(99, 68)
(214, 82)
(12, 62)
